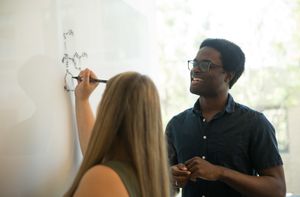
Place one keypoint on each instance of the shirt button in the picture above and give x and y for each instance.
(203, 157)
(204, 137)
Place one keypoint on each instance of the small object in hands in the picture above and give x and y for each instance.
(92, 80)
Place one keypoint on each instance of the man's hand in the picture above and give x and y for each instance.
(201, 168)
(180, 175)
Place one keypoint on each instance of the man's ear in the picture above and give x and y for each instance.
(229, 76)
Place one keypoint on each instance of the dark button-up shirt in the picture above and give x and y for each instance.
(238, 138)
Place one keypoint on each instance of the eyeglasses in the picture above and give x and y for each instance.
(204, 66)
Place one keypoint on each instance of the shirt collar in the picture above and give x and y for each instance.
(230, 104)
(229, 108)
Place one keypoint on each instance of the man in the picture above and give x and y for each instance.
(219, 147)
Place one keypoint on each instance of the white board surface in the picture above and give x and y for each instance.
(39, 150)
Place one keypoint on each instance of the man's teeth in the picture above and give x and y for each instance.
(197, 79)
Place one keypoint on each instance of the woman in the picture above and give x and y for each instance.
(125, 154)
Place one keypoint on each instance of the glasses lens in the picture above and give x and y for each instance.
(203, 65)
(192, 64)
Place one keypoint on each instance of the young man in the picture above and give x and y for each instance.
(219, 147)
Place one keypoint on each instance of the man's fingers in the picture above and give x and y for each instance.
(193, 162)
(190, 161)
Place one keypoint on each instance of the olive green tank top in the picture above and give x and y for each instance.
(127, 175)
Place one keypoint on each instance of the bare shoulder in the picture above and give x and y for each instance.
(101, 181)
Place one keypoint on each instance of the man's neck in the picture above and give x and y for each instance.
(212, 105)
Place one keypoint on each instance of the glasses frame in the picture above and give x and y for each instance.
(194, 63)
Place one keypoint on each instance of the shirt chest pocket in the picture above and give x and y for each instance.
(227, 153)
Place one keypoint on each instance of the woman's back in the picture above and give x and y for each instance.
(113, 178)
(128, 127)
(127, 175)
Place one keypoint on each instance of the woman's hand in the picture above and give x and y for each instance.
(180, 175)
(201, 168)
(84, 88)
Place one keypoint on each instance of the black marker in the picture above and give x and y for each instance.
(92, 80)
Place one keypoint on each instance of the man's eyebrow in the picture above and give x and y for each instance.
(205, 60)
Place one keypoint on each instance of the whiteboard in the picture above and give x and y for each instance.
(39, 150)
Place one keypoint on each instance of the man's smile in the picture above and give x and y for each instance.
(196, 80)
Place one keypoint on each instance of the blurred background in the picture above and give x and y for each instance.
(267, 31)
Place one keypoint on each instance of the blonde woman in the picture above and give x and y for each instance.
(124, 147)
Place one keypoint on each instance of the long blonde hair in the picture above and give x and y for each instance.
(130, 110)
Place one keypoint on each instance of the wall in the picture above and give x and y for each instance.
(39, 150)
(291, 158)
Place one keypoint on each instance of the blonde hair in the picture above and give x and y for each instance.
(130, 110)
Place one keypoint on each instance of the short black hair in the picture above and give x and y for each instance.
(232, 56)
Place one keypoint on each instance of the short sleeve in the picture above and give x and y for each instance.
(171, 148)
(263, 144)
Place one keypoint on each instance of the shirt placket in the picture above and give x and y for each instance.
(203, 131)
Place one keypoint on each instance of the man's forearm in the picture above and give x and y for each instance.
(260, 186)
(85, 122)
